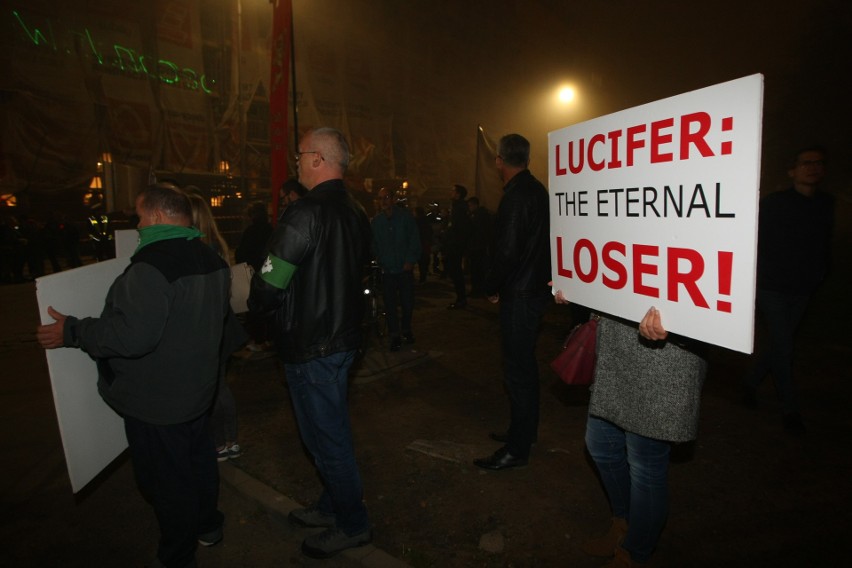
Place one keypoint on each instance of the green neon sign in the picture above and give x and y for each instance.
(125, 59)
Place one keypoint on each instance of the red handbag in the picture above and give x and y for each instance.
(575, 365)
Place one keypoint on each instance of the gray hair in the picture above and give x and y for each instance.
(332, 144)
(514, 149)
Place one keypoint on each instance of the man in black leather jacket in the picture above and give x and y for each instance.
(312, 282)
(518, 279)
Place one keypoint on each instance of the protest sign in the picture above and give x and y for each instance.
(92, 433)
(657, 206)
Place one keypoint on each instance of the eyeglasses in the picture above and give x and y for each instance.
(299, 154)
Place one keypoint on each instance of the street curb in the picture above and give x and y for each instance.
(279, 506)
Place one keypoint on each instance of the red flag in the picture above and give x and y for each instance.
(282, 33)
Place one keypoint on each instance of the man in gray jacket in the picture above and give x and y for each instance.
(157, 346)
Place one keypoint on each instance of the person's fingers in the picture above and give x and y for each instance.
(54, 314)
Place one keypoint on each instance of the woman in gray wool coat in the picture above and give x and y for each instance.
(646, 395)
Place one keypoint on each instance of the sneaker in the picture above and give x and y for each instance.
(331, 541)
(234, 451)
(311, 517)
(222, 454)
(212, 538)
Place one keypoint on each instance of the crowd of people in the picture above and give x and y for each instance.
(27, 243)
(162, 364)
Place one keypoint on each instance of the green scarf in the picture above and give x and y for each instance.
(154, 233)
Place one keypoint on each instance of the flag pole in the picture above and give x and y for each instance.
(476, 171)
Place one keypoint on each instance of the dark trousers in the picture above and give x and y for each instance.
(520, 319)
(453, 266)
(781, 315)
(423, 266)
(177, 473)
(478, 262)
(398, 292)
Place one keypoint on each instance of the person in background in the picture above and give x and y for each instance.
(51, 231)
(71, 241)
(223, 419)
(204, 221)
(793, 248)
(291, 191)
(252, 250)
(454, 243)
(424, 230)
(518, 279)
(252, 245)
(311, 284)
(477, 247)
(157, 345)
(396, 242)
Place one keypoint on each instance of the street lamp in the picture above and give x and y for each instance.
(566, 94)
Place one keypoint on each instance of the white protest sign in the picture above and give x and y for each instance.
(92, 433)
(126, 241)
(657, 206)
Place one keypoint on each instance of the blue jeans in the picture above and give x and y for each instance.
(634, 472)
(398, 291)
(520, 319)
(318, 391)
(781, 314)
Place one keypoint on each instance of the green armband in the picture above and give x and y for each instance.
(277, 272)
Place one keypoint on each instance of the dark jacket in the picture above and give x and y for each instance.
(794, 236)
(326, 235)
(158, 338)
(520, 264)
(252, 247)
(455, 239)
(396, 240)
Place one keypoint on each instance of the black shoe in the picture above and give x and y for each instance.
(408, 337)
(457, 306)
(793, 423)
(395, 344)
(501, 459)
(503, 437)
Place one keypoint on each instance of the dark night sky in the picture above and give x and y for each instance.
(500, 60)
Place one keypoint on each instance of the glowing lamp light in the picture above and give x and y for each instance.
(566, 94)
